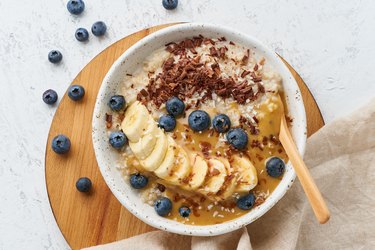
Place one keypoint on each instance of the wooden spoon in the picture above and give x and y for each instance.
(311, 190)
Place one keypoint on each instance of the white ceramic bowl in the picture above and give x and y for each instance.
(108, 158)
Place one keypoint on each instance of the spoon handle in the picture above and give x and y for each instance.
(311, 190)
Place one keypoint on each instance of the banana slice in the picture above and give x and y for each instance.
(143, 148)
(248, 178)
(157, 155)
(165, 168)
(181, 168)
(198, 172)
(135, 121)
(217, 174)
(230, 183)
(228, 187)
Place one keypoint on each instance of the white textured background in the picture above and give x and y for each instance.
(330, 43)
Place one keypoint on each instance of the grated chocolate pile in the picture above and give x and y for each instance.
(187, 76)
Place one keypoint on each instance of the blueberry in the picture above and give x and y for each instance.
(117, 139)
(246, 202)
(275, 167)
(75, 7)
(99, 28)
(117, 102)
(82, 34)
(170, 4)
(76, 92)
(138, 181)
(55, 56)
(237, 137)
(175, 106)
(61, 144)
(184, 211)
(221, 123)
(83, 184)
(167, 122)
(163, 206)
(50, 96)
(199, 120)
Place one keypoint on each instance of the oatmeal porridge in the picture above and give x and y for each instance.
(197, 126)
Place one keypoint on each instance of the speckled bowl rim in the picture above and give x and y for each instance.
(129, 198)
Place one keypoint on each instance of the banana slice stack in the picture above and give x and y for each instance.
(157, 152)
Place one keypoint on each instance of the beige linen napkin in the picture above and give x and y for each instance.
(341, 157)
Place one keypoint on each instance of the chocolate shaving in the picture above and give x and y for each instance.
(187, 179)
(259, 157)
(253, 129)
(274, 140)
(245, 58)
(245, 73)
(177, 197)
(193, 51)
(216, 68)
(206, 148)
(213, 172)
(208, 41)
(221, 52)
(213, 51)
(255, 67)
(143, 92)
(161, 187)
(289, 120)
(265, 140)
(108, 120)
(121, 116)
(255, 119)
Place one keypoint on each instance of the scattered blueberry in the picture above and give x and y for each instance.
(117, 102)
(61, 144)
(246, 202)
(83, 184)
(99, 28)
(221, 123)
(76, 92)
(275, 167)
(117, 139)
(184, 211)
(175, 106)
(75, 7)
(170, 4)
(138, 181)
(167, 122)
(55, 56)
(237, 137)
(199, 120)
(163, 206)
(50, 96)
(82, 34)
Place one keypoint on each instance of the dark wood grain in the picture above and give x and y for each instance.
(98, 218)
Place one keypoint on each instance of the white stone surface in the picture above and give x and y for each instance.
(330, 43)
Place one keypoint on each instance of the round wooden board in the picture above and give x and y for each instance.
(98, 218)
